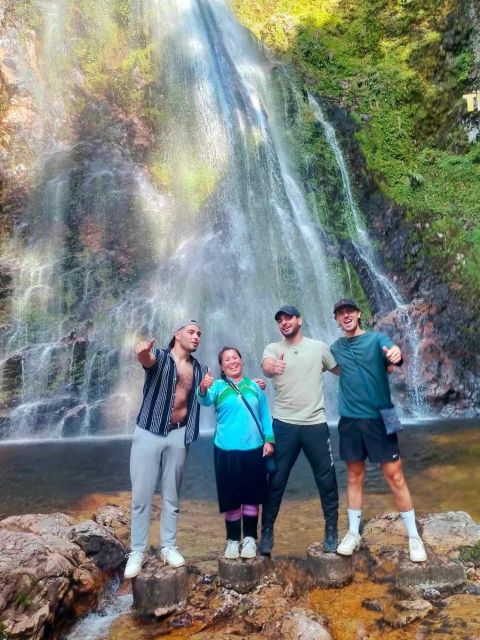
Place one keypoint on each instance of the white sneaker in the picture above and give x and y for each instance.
(136, 560)
(416, 549)
(350, 542)
(172, 557)
(249, 548)
(232, 550)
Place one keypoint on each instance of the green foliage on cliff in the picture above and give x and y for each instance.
(401, 69)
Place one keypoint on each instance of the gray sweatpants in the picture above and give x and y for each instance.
(151, 453)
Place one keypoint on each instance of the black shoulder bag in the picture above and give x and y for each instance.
(389, 415)
(270, 463)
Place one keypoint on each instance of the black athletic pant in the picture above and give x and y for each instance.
(314, 441)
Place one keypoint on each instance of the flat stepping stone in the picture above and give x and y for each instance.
(329, 569)
(430, 579)
(159, 589)
(242, 575)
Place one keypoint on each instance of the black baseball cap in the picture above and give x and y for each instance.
(288, 310)
(345, 302)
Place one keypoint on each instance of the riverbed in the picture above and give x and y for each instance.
(79, 476)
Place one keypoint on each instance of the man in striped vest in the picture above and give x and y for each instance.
(168, 422)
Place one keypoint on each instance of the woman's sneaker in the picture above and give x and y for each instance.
(249, 548)
(350, 542)
(136, 560)
(416, 549)
(232, 550)
(172, 557)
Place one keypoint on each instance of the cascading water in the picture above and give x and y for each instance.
(210, 222)
(386, 288)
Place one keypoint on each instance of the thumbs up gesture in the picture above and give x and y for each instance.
(279, 366)
(206, 382)
(393, 355)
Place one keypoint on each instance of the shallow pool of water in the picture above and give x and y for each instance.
(440, 458)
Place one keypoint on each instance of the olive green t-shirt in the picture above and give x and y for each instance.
(299, 389)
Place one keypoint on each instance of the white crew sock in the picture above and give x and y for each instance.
(354, 516)
(408, 518)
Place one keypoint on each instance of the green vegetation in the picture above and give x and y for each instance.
(471, 554)
(389, 63)
(22, 600)
(115, 60)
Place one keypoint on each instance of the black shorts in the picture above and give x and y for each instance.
(362, 437)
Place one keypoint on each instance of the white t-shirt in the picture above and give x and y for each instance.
(299, 389)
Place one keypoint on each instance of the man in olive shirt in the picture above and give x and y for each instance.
(296, 365)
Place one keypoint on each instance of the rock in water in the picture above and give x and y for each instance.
(406, 611)
(304, 625)
(427, 580)
(159, 589)
(329, 569)
(242, 575)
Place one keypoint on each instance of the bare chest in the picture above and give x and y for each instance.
(184, 377)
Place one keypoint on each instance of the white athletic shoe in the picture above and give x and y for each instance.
(172, 557)
(350, 542)
(416, 549)
(232, 550)
(136, 559)
(249, 548)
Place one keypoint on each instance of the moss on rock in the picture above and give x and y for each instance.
(401, 69)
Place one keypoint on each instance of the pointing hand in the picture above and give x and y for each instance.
(206, 382)
(144, 347)
(393, 355)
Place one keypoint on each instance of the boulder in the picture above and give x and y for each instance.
(73, 421)
(112, 517)
(106, 551)
(404, 612)
(431, 579)
(43, 580)
(446, 533)
(49, 572)
(300, 624)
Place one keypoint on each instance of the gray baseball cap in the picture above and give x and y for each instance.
(179, 325)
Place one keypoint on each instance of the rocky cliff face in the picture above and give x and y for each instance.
(56, 147)
(446, 324)
(390, 78)
(106, 129)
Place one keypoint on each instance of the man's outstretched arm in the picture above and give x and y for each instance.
(144, 353)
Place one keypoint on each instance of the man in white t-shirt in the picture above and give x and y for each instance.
(296, 365)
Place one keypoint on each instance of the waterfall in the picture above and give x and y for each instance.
(383, 285)
(208, 220)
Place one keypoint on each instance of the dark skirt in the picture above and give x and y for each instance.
(241, 477)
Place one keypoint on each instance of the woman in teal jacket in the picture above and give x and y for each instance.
(241, 443)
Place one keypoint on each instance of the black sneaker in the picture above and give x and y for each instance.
(330, 542)
(265, 545)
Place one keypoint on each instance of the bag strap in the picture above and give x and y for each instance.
(235, 388)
